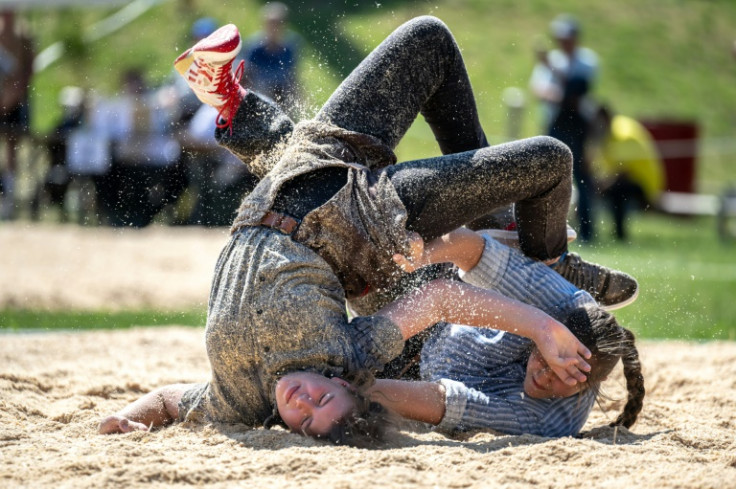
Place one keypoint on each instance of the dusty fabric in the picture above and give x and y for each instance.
(359, 229)
(259, 128)
(276, 307)
(417, 69)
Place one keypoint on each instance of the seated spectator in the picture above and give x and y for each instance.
(144, 175)
(57, 180)
(216, 176)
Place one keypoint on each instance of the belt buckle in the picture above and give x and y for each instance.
(280, 222)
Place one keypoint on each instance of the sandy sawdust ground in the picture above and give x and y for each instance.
(54, 387)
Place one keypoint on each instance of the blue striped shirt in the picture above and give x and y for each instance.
(483, 370)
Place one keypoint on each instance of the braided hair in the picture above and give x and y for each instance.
(608, 342)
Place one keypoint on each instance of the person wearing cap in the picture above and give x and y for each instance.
(553, 68)
(562, 80)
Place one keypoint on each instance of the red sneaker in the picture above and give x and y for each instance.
(207, 68)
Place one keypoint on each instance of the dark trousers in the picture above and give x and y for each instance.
(571, 128)
(418, 69)
(623, 196)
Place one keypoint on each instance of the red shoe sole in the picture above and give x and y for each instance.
(226, 39)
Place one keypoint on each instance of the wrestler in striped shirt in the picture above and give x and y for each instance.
(495, 380)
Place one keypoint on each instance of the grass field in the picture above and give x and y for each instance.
(35, 320)
(687, 277)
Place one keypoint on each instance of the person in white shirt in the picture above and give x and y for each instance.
(555, 67)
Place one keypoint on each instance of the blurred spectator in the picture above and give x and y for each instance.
(554, 68)
(7, 64)
(175, 97)
(571, 127)
(271, 58)
(144, 175)
(18, 46)
(216, 180)
(58, 177)
(562, 80)
(216, 176)
(630, 170)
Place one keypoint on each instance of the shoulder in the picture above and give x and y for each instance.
(587, 55)
(293, 40)
(566, 416)
(253, 43)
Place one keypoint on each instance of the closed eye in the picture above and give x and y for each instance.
(325, 399)
(543, 362)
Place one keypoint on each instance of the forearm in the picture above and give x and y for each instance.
(460, 303)
(157, 408)
(418, 401)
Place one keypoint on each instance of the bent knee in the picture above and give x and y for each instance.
(429, 26)
(429, 22)
(556, 152)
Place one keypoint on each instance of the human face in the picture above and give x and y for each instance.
(567, 44)
(312, 404)
(542, 383)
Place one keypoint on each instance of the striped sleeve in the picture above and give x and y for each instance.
(566, 417)
(517, 276)
(375, 341)
(506, 409)
(467, 408)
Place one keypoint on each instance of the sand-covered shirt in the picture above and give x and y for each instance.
(277, 307)
(360, 228)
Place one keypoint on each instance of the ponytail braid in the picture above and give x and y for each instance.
(608, 341)
(634, 382)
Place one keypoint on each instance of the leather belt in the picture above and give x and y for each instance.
(280, 222)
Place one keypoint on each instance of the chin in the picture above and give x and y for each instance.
(531, 393)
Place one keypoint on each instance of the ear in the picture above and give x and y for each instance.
(344, 383)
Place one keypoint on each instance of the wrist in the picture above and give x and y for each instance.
(544, 328)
